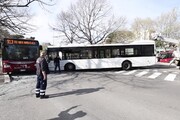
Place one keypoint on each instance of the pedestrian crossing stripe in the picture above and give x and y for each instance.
(154, 75)
(130, 72)
(141, 73)
(169, 77)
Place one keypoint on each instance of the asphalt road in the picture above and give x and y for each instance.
(1, 76)
(139, 94)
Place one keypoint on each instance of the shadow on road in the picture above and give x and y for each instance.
(76, 92)
(65, 115)
(159, 66)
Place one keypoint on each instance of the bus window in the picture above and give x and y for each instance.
(129, 51)
(95, 54)
(108, 53)
(52, 55)
(20, 52)
(86, 54)
(73, 55)
(89, 54)
(101, 54)
(115, 52)
(137, 51)
(122, 52)
(148, 50)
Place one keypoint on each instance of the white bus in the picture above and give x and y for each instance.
(99, 56)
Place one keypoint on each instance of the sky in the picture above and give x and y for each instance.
(131, 9)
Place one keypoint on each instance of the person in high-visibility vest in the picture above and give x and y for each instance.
(41, 70)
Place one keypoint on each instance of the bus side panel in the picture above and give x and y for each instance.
(106, 63)
(143, 61)
(51, 65)
(90, 63)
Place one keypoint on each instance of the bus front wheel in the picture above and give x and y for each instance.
(126, 65)
(70, 67)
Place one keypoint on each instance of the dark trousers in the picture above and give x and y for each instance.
(178, 64)
(57, 66)
(41, 85)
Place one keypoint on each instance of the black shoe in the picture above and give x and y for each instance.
(37, 95)
(44, 96)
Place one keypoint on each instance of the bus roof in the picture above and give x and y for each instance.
(137, 42)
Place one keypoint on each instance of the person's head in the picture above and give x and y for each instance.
(43, 53)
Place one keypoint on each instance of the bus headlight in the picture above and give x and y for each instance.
(6, 66)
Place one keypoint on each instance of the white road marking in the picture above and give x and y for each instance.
(141, 73)
(154, 75)
(176, 72)
(131, 72)
(170, 77)
(155, 70)
(119, 72)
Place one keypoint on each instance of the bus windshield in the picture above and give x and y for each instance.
(20, 52)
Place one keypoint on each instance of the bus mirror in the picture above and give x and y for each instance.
(2, 45)
(40, 47)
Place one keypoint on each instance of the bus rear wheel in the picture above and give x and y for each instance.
(126, 65)
(70, 67)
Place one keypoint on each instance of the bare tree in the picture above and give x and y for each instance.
(22, 3)
(142, 28)
(4, 33)
(14, 15)
(88, 21)
(66, 26)
(122, 36)
(168, 24)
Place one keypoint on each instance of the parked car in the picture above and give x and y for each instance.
(165, 57)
